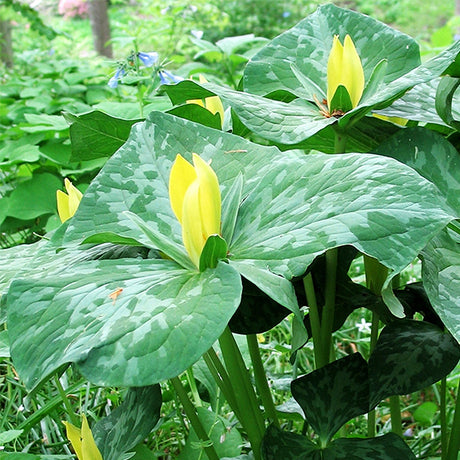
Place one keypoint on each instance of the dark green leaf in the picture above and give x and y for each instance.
(198, 114)
(333, 394)
(278, 444)
(444, 95)
(387, 447)
(96, 134)
(409, 356)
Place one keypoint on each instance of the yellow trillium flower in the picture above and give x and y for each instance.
(212, 103)
(82, 441)
(195, 200)
(344, 68)
(67, 203)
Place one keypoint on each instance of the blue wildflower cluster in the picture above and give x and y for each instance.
(148, 60)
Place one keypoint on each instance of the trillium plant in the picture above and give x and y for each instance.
(205, 229)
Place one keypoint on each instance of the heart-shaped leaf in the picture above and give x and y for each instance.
(333, 394)
(409, 356)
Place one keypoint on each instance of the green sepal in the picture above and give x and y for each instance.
(377, 77)
(341, 100)
(215, 249)
(230, 206)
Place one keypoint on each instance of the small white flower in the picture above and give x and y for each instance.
(197, 34)
(364, 326)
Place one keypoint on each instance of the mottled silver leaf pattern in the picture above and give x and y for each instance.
(441, 278)
(125, 322)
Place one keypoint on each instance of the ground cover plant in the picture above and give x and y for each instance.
(233, 283)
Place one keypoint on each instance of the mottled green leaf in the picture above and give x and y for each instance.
(278, 444)
(4, 345)
(441, 278)
(333, 394)
(432, 156)
(225, 438)
(309, 43)
(129, 423)
(409, 356)
(444, 96)
(387, 447)
(124, 322)
(9, 435)
(96, 134)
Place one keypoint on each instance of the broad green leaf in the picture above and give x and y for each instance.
(332, 395)
(309, 43)
(278, 444)
(34, 197)
(425, 413)
(225, 438)
(409, 356)
(194, 112)
(387, 447)
(96, 134)
(294, 207)
(432, 156)
(124, 322)
(44, 122)
(441, 278)
(129, 423)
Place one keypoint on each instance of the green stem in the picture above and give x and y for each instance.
(252, 419)
(454, 441)
(193, 387)
(68, 407)
(396, 420)
(443, 418)
(194, 420)
(222, 379)
(327, 320)
(340, 141)
(261, 379)
(314, 318)
(374, 335)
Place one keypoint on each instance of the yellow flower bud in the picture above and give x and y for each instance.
(67, 203)
(195, 200)
(212, 103)
(344, 68)
(83, 441)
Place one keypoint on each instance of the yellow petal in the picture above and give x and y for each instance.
(353, 71)
(181, 176)
(344, 68)
(214, 105)
(73, 435)
(334, 69)
(74, 196)
(88, 446)
(196, 101)
(192, 230)
(63, 205)
(209, 197)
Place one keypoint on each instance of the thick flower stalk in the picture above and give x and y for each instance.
(82, 441)
(195, 200)
(344, 68)
(67, 203)
(212, 103)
